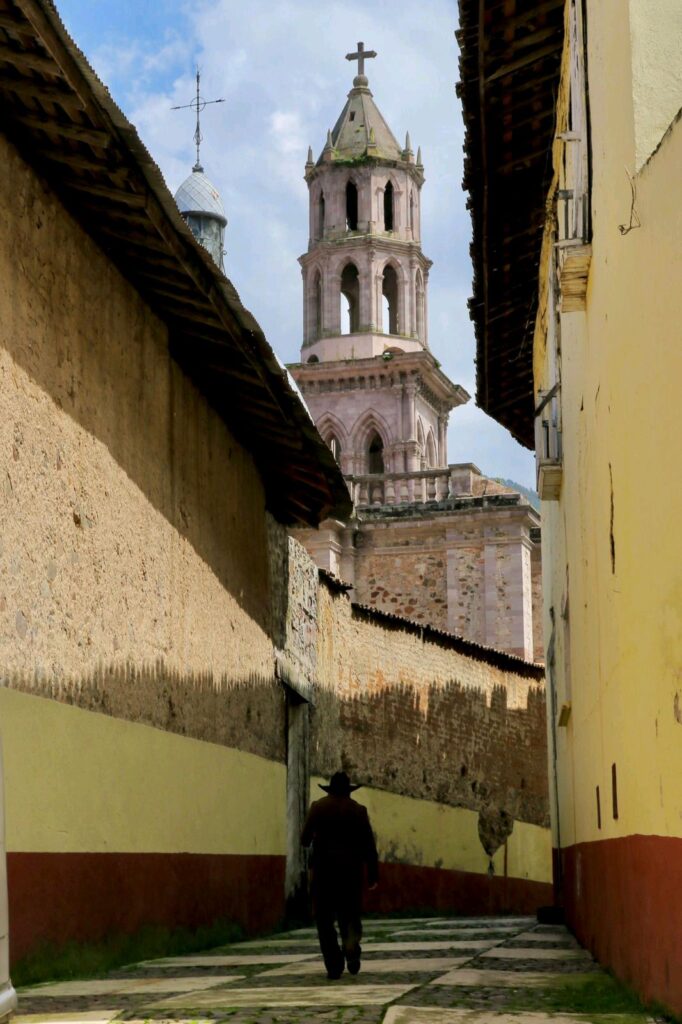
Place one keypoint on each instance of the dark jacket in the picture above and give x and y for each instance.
(342, 838)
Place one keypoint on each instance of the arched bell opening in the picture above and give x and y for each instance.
(350, 299)
(319, 233)
(388, 207)
(419, 305)
(431, 458)
(375, 454)
(351, 207)
(389, 292)
(422, 444)
(318, 324)
(335, 446)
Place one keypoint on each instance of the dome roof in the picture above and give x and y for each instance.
(199, 195)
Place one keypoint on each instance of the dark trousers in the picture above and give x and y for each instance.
(338, 900)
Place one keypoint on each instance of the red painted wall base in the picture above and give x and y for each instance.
(408, 887)
(623, 899)
(56, 898)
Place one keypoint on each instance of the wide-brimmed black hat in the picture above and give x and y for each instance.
(339, 785)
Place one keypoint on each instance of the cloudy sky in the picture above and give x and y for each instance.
(279, 65)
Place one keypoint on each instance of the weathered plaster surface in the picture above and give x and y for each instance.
(133, 556)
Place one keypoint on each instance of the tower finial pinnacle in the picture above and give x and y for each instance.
(361, 55)
(197, 104)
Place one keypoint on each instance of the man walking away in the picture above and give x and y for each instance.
(343, 843)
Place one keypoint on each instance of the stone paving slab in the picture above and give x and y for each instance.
(472, 977)
(87, 1017)
(425, 964)
(327, 995)
(441, 1015)
(123, 986)
(276, 944)
(459, 932)
(227, 960)
(533, 953)
(400, 947)
(554, 937)
(492, 923)
(454, 942)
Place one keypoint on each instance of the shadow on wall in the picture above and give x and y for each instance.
(461, 752)
(247, 715)
(86, 338)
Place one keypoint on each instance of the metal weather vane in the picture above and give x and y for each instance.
(197, 104)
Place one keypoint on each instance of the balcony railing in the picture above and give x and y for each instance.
(400, 488)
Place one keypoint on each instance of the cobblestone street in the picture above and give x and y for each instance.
(414, 971)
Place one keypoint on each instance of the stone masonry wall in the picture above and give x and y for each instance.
(420, 714)
(469, 573)
(403, 571)
(134, 577)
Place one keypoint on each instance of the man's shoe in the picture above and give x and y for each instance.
(335, 972)
(353, 966)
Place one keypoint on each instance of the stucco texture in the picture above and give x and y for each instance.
(132, 526)
(611, 542)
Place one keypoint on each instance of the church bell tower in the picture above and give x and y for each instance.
(364, 276)
(375, 391)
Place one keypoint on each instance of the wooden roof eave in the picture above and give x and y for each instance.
(197, 302)
(509, 70)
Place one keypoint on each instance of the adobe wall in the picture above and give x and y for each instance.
(138, 615)
(132, 574)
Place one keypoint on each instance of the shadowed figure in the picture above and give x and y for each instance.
(343, 844)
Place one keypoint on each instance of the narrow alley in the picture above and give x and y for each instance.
(415, 971)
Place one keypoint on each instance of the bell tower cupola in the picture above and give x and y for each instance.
(197, 198)
(365, 277)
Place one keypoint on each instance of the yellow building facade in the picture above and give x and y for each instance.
(599, 326)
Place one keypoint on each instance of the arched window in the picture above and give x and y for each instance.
(431, 458)
(375, 454)
(419, 305)
(388, 207)
(351, 207)
(313, 359)
(320, 216)
(420, 440)
(317, 307)
(350, 299)
(335, 446)
(412, 213)
(389, 292)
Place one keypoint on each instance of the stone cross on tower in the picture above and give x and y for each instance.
(360, 56)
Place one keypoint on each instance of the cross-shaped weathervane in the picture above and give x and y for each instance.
(198, 104)
(360, 56)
